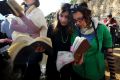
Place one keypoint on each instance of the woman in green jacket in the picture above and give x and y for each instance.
(97, 34)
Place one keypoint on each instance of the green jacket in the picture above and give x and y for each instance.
(93, 67)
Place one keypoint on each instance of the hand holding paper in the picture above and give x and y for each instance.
(63, 58)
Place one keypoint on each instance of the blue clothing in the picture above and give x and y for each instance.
(89, 37)
(5, 28)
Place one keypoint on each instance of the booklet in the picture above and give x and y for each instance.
(63, 58)
(79, 48)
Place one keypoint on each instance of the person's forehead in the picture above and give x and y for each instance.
(77, 14)
(64, 13)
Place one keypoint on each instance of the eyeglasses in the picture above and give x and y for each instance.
(78, 19)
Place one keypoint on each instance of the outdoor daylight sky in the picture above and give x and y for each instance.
(48, 6)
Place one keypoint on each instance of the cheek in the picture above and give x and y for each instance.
(60, 18)
(29, 1)
(63, 20)
(79, 24)
(66, 21)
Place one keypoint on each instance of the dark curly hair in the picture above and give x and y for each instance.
(86, 15)
(84, 10)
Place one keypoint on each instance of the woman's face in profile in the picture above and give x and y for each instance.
(63, 18)
(79, 19)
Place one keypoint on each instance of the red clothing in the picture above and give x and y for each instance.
(112, 22)
(105, 21)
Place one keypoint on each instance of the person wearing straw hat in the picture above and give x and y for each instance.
(26, 54)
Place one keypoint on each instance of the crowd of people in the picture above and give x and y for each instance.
(29, 38)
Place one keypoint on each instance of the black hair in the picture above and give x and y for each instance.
(37, 3)
(87, 16)
(84, 4)
(64, 8)
(110, 15)
(85, 12)
(48, 49)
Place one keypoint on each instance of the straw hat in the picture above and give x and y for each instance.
(43, 39)
(16, 34)
(17, 44)
(23, 41)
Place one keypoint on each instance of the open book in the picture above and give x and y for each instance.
(15, 8)
(64, 58)
(79, 48)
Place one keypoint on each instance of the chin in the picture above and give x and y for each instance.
(64, 24)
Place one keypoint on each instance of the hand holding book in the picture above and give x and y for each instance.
(79, 48)
(15, 8)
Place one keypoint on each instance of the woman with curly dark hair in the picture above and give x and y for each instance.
(97, 34)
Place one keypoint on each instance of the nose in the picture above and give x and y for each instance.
(77, 23)
(62, 19)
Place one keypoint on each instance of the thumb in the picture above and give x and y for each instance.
(81, 60)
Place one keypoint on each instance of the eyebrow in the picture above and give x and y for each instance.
(78, 18)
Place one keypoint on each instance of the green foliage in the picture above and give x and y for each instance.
(50, 17)
(73, 1)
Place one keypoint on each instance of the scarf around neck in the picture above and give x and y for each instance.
(89, 30)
